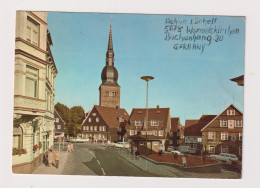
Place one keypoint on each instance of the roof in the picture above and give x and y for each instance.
(111, 115)
(195, 129)
(190, 122)
(231, 105)
(174, 124)
(56, 112)
(160, 114)
(239, 80)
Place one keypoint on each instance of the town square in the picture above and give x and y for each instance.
(139, 95)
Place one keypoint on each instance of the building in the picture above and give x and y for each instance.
(157, 132)
(239, 80)
(109, 90)
(59, 125)
(224, 133)
(175, 132)
(193, 134)
(35, 72)
(105, 123)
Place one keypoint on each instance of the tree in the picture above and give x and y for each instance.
(63, 111)
(77, 115)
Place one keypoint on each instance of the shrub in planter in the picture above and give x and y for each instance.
(35, 147)
(19, 151)
(40, 145)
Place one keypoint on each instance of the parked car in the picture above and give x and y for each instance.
(225, 157)
(79, 140)
(177, 152)
(122, 145)
(170, 148)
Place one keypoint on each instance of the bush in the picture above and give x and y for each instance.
(19, 151)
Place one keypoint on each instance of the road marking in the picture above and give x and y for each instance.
(94, 156)
(98, 162)
(103, 171)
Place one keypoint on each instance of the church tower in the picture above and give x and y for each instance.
(109, 90)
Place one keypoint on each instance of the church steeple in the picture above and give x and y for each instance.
(109, 89)
(110, 52)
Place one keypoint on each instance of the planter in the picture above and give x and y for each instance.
(210, 168)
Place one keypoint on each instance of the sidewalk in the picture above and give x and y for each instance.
(167, 171)
(42, 169)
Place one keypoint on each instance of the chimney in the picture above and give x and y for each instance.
(117, 107)
(157, 106)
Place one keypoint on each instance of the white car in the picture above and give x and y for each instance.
(122, 145)
(226, 157)
(177, 152)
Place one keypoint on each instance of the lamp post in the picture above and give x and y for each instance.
(147, 79)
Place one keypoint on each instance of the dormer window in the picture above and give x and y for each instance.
(121, 119)
(154, 123)
(158, 112)
(138, 123)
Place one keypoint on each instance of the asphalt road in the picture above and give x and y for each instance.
(93, 159)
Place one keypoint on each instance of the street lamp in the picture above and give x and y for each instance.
(147, 79)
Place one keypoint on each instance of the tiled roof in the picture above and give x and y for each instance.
(195, 129)
(174, 124)
(111, 115)
(190, 122)
(160, 114)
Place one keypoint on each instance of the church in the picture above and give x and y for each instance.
(107, 121)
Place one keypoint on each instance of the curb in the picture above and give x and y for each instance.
(141, 168)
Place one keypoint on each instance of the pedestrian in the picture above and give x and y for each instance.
(71, 147)
(50, 157)
(57, 158)
(68, 148)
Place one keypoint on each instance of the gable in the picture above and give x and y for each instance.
(93, 114)
(215, 123)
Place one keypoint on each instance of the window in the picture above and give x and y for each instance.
(155, 133)
(240, 136)
(91, 128)
(57, 120)
(224, 149)
(238, 123)
(223, 123)
(89, 119)
(240, 150)
(58, 126)
(31, 81)
(211, 149)
(104, 128)
(230, 112)
(154, 123)
(32, 31)
(87, 128)
(212, 135)
(170, 142)
(93, 114)
(231, 124)
(132, 132)
(233, 138)
(121, 119)
(95, 128)
(17, 136)
(161, 133)
(224, 136)
(100, 128)
(138, 123)
(141, 143)
(97, 119)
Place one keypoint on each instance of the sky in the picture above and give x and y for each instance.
(191, 82)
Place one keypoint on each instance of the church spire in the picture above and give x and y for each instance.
(110, 42)
(110, 52)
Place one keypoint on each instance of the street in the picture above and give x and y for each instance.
(94, 159)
